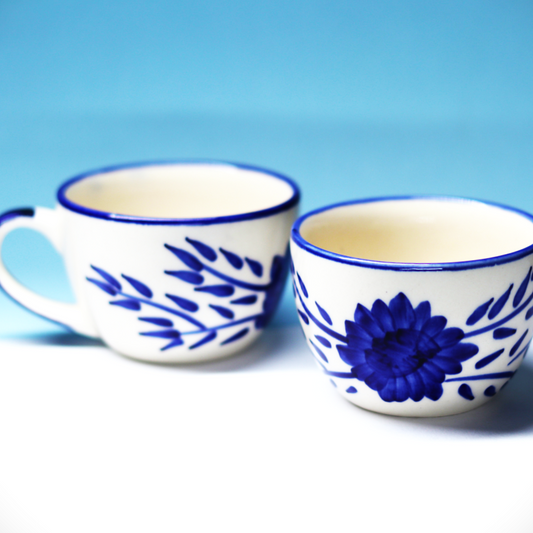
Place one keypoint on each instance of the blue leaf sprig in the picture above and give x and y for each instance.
(201, 267)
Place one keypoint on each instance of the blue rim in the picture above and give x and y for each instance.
(72, 206)
(385, 265)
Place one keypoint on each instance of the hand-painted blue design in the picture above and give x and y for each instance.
(403, 352)
(520, 293)
(333, 383)
(184, 303)
(208, 338)
(466, 392)
(245, 300)
(108, 277)
(523, 351)
(351, 390)
(255, 266)
(186, 275)
(132, 305)
(163, 322)
(236, 337)
(141, 288)
(203, 249)
(323, 341)
(503, 333)
(499, 305)
(324, 314)
(482, 363)
(217, 290)
(490, 391)
(302, 286)
(479, 313)
(223, 311)
(233, 259)
(303, 316)
(186, 258)
(201, 333)
(319, 351)
(515, 347)
(106, 287)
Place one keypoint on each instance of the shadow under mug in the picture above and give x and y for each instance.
(415, 306)
(169, 261)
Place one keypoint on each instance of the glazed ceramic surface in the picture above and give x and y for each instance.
(415, 306)
(169, 262)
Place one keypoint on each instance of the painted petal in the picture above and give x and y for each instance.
(417, 386)
(217, 290)
(223, 311)
(434, 325)
(498, 306)
(132, 305)
(383, 315)
(108, 277)
(402, 311)
(106, 287)
(141, 288)
(422, 314)
(433, 391)
(324, 314)
(448, 365)
(233, 259)
(255, 266)
(521, 290)
(186, 275)
(366, 320)
(302, 286)
(466, 392)
(188, 305)
(323, 341)
(357, 335)
(245, 300)
(163, 322)
(482, 363)
(204, 340)
(449, 337)
(203, 249)
(460, 352)
(235, 337)
(479, 313)
(186, 258)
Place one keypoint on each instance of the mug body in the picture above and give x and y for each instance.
(177, 262)
(415, 306)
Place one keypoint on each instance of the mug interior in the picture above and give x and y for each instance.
(419, 230)
(180, 191)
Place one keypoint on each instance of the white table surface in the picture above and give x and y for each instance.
(91, 441)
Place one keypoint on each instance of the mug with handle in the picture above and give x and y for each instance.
(178, 261)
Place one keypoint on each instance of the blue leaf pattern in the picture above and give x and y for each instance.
(203, 249)
(141, 288)
(196, 273)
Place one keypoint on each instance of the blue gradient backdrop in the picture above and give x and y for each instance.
(351, 99)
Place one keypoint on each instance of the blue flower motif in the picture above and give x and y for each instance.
(402, 352)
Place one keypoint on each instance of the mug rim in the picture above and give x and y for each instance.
(297, 238)
(199, 221)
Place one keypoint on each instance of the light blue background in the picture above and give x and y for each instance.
(351, 99)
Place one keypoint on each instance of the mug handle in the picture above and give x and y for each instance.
(48, 222)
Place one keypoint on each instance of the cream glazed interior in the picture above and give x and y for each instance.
(419, 230)
(180, 191)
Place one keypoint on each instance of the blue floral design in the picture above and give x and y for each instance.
(206, 269)
(402, 352)
(405, 353)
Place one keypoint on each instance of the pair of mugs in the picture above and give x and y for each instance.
(413, 306)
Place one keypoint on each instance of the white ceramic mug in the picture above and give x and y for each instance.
(169, 261)
(415, 306)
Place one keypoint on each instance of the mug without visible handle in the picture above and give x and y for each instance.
(157, 287)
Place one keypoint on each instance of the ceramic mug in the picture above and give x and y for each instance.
(168, 261)
(415, 306)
